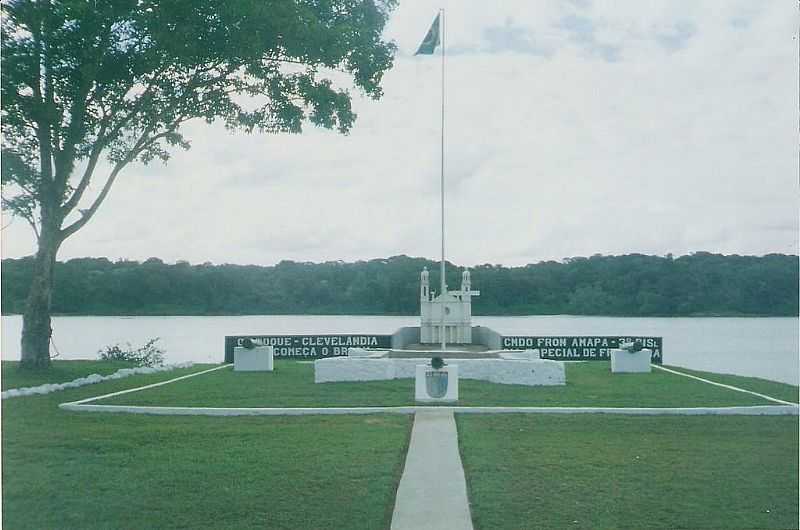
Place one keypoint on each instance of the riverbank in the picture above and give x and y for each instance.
(753, 347)
(190, 313)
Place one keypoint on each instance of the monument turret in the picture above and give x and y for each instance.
(451, 310)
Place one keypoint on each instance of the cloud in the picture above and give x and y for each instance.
(677, 36)
(506, 38)
(581, 30)
(571, 130)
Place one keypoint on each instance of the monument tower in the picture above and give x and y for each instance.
(451, 311)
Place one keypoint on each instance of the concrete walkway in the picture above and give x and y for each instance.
(432, 492)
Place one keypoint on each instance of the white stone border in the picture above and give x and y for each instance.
(90, 379)
(787, 408)
(755, 410)
(729, 387)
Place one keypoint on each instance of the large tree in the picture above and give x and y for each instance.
(88, 80)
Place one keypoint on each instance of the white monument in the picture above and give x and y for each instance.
(253, 359)
(624, 361)
(454, 306)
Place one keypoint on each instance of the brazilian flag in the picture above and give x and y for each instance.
(431, 40)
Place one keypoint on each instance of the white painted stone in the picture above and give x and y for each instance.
(88, 380)
(258, 359)
(503, 371)
(423, 371)
(625, 362)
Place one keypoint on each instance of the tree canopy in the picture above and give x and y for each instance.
(632, 285)
(117, 78)
(82, 81)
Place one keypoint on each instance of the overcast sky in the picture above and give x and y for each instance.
(572, 128)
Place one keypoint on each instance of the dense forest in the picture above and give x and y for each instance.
(635, 284)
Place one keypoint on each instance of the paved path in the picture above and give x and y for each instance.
(433, 492)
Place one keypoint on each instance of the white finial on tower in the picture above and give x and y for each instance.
(424, 289)
(466, 283)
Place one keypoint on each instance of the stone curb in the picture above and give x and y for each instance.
(757, 410)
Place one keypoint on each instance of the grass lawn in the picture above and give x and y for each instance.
(78, 470)
(762, 386)
(598, 471)
(59, 372)
(292, 385)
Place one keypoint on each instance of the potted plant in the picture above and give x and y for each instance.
(633, 347)
(436, 379)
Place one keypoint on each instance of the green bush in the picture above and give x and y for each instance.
(147, 355)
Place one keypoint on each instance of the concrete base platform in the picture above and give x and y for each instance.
(495, 370)
(474, 348)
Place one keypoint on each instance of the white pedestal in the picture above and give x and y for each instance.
(533, 355)
(337, 369)
(259, 359)
(429, 379)
(625, 362)
(358, 352)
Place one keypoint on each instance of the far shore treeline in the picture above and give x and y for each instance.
(699, 284)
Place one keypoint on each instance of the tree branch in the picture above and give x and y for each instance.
(137, 103)
(41, 118)
(88, 214)
(32, 222)
(65, 158)
(143, 143)
(94, 156)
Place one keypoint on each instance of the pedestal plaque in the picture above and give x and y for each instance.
(258, 359)
(625, 362)
(433, 386)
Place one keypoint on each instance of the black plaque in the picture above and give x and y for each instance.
(309, 346)
(585, 348)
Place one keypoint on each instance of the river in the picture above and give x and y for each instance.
(758, 347)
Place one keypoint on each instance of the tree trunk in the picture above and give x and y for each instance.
(36, 330)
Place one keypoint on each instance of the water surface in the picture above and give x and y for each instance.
(759, 347)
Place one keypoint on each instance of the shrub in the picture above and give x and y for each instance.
(437, 363)
(147, 355)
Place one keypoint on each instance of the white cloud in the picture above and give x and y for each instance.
(684, 139)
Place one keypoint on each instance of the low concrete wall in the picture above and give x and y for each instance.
(487, 337)
(480, 335)
(510, 372)
(405, 336)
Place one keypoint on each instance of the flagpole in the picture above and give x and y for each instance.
(444, 285)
